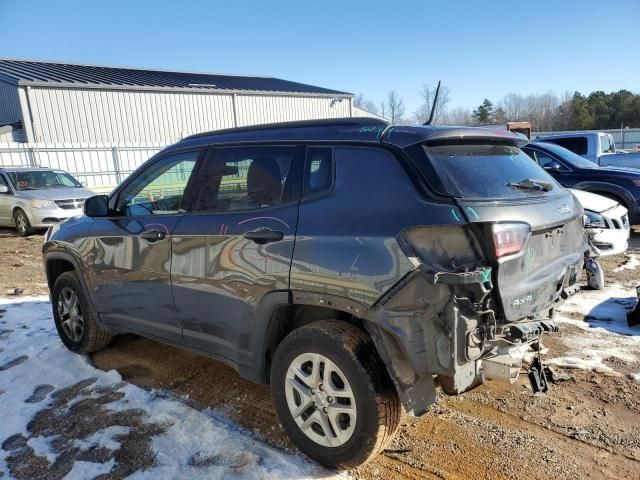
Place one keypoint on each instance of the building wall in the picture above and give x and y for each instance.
(125, 116)
(119, 116)
(257, 109)
(9, 103)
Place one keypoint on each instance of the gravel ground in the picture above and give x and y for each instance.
(588, 426)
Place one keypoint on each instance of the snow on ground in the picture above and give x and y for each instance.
(604, 333)
(61, 417)
(631, 264)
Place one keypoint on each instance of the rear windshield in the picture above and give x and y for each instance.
(488, 172)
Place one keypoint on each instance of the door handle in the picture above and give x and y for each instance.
(264, 235)
(153, 235)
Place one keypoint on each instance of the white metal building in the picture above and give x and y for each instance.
(70, 103)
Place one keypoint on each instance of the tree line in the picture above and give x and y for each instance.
(546, 112)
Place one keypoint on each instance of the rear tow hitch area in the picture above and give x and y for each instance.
(538, 377)
(505, 363)
(507, 367)
(633, 317)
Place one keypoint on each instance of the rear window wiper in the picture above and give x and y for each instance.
(531, 184)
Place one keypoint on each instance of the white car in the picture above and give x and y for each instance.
(35, 198)
(606, 223)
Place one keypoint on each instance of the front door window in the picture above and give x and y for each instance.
(160, 189)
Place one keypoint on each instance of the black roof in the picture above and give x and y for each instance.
(24, 72)
(349, 130)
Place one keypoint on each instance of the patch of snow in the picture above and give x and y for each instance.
(103, 438)
(42, 447)
(630, 264)
(604, 330)
(82, 470)
(191, 433)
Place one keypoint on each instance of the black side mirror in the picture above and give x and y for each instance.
(553, 167)
(97, 206)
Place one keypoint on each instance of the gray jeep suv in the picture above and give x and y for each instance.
(351, 264)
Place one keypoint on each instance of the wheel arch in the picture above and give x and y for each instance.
(59, 262)
(280, 313)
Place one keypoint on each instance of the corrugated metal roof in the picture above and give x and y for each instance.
(24, 72)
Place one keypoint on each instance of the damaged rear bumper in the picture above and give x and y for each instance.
(445, 324)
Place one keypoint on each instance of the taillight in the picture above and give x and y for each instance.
(510, 238)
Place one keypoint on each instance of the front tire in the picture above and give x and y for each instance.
(75, 321)
(21, 221)
(333, 395)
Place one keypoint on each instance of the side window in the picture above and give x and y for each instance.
(3, 183)
(575, 144)
(244, 178)
(606, 144)
(159, 190)
(543, 159)
(318, 170)
(531, 153)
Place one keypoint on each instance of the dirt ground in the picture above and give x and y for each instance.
(588, 426)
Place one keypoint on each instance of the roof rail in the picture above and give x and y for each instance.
(324, 122)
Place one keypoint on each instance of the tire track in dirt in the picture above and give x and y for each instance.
(495, 432)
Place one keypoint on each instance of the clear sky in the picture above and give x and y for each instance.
(477, 48)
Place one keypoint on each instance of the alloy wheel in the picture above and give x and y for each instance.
(70, 314)
(320, 400)
(21, 223)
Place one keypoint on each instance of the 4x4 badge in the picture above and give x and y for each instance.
(564, 209)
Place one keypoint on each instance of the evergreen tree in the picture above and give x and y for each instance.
(484, 113)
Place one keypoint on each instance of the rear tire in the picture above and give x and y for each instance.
(21, 221)
(352, 407)
(74, 318)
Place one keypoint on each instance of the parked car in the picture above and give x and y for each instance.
(606, 223)
(346, 262)
(36, 198)
(607, 230)
(572, 171)
(597, 147)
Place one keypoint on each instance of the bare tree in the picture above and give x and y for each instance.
(363, 103)
(541, 110)
(458, 116)
(428, 94)
(369, 106)
(514, 107)
(395, 107)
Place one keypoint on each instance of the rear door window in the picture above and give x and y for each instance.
(245, 178)
(487, 172)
